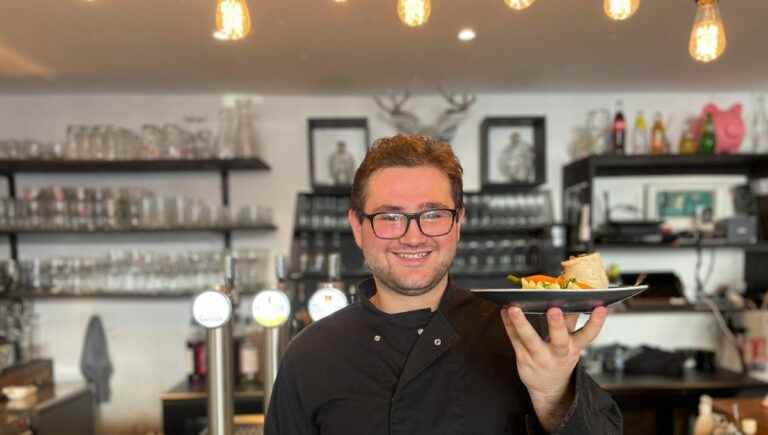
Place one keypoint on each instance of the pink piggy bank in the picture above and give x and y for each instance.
(729, 127)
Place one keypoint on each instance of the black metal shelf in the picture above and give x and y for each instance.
(498, 230)
(105, 295)
(758, 247)
(491, 273)
(8, 167)
(298, 230)
(351, 274)
(464, 230)
(260, 228)
(600, 166)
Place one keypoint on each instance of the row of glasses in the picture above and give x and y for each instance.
(322, 212)
(140, 272)
(170, 141)
(509, 210)
(87, 208)
(493, 254)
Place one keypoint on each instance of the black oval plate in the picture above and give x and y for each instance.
(570, 301)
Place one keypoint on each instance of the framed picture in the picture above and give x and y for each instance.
(513, 153)
(686, 207)
(336, 149)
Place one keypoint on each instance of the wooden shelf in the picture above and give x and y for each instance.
(8, 167)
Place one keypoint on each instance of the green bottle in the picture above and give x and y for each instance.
(707, 141)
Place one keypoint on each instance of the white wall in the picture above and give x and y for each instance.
(146, 337)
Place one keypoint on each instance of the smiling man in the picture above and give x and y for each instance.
(416, 355)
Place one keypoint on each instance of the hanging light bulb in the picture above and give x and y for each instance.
(708, 34)
(413, 13)
(620, 9)
(233, 21)
(519, 4)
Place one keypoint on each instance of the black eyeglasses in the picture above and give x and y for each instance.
(393, 225)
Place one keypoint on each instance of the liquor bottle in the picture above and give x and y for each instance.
(301, 315)
(619, 131)
(352, 293)
(249, 352)
(196, 355)
(707, 141)
(659, 143)
(760, 127)
(238, 337)
(688, 143)
(640, 135)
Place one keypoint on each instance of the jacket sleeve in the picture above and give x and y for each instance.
(287, 414)
(593, 411)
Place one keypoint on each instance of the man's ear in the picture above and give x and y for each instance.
(357, 226)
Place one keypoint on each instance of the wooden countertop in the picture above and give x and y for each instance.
(186, 391)
(690, 382)
(46, 397)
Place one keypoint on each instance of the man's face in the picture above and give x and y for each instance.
(413, 264)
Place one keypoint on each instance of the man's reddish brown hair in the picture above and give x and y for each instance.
(409, 151)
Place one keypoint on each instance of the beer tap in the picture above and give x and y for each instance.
(271, 309)
(213, 310)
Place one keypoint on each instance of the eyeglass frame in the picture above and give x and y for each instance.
(409, 216)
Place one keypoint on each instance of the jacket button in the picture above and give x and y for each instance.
(438, 342)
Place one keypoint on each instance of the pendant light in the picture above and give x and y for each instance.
(519, 5)
(708, 33)
(620, 10)
(233, 21)
(413, 13)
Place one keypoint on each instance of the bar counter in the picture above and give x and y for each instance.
(650, 404)
(58, 409)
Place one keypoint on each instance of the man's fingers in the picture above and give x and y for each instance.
(571, 320)
(517, 344)
(559, 336)
(528, 336)
(591, 329)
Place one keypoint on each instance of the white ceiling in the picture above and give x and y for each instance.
(318, 46)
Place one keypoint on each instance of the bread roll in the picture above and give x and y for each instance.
(587, 269)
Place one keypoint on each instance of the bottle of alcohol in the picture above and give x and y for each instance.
(249, 352)
(640, 135)
(688, 143)
(760, 127)
(196, 354)
(619, 131)
(707, 141)
(238, 336)
(659, 143)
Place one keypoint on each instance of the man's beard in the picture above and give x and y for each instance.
(401, 286)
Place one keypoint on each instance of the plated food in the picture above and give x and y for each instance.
(584, 272)
(582, 286)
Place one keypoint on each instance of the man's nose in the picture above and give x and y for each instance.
(413, 235)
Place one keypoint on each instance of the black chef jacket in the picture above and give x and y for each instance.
(363, 371)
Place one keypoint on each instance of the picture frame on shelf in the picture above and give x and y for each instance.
(687, 206)
(513, 153)
(337, 146)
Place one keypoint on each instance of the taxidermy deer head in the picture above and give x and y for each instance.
(444, 127)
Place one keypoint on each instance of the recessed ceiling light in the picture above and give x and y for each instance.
(467, 34)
